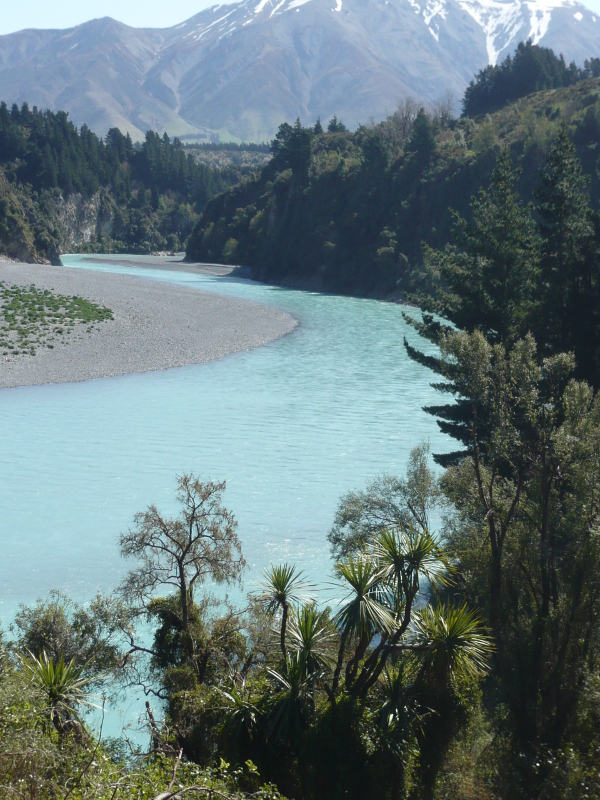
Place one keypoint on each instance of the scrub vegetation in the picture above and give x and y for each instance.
(32, 318)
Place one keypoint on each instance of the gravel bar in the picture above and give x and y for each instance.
(156, 326)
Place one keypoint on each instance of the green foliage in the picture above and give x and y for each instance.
(89, 635)
(523, 530)
(454, 643)
(515, 270)
(181, 554)
(351, 212)
(568, 319)
(140, 198)
(490, 278)
(422, 141)
(531, 69)
(64, 687)
(387, 502)
(33, 317)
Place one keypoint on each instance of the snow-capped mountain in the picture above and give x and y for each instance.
(240, 69)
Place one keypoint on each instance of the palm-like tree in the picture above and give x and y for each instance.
(282, 586)
(292, 707)
(408, 556)
(451, 640)
(309, 635)
(64, 686)
(243, 716)
(363, 613)
(405, 557)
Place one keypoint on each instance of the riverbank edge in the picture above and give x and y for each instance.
(156, 325)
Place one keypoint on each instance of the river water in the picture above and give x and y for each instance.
(290, 426)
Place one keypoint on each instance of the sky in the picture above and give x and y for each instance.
(18, 14)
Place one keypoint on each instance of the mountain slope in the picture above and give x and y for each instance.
(239, 69)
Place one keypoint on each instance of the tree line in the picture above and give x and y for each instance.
(530, 69)
(142, 197)
(350, 211)
(52, 153)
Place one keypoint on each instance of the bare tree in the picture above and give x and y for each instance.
(444, 110)
(180, 554)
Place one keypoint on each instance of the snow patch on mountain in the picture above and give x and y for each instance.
(239, 68)
(504, 23)
(297, 4)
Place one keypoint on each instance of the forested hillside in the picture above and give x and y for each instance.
(64, 189)
(349, 212)
(531, 69)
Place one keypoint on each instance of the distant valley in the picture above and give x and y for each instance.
(236, 71)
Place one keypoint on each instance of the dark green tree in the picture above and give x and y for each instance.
(570, 276)
(422, 140)
(335, 125)
(488, 280)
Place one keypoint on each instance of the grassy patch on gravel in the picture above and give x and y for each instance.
(32, 318)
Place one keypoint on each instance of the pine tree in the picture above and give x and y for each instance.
(335, 125)
(486, 282)
(568, 319)
(422, 141)
(490, 276)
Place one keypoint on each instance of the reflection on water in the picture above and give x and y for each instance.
(290, 426)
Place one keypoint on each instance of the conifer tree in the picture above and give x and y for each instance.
(486, 282)
(568, 319)
(422, 140)
(335, 125)
(489, 277)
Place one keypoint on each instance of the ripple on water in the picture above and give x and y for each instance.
(291, 426)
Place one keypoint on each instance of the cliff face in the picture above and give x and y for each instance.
(82, 221)
(37, 231)
(17, 238)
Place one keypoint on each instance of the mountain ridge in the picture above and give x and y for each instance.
(237, 70)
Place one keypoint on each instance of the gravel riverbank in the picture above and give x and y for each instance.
(155, 326)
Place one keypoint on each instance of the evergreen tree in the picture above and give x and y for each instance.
(318, 129)
(422, 140)
(531, 69)
(569, 317)
(489, 277)
(335, 125)
(292, 148)
(299, 150)
(523, 531)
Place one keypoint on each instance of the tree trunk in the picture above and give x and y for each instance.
(284, 619)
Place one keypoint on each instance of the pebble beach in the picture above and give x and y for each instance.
(156, 325)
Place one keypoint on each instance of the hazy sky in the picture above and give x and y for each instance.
(18, 14)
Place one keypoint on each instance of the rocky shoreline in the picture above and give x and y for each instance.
(156, 326)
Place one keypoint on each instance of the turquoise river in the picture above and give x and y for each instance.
(290, 426)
